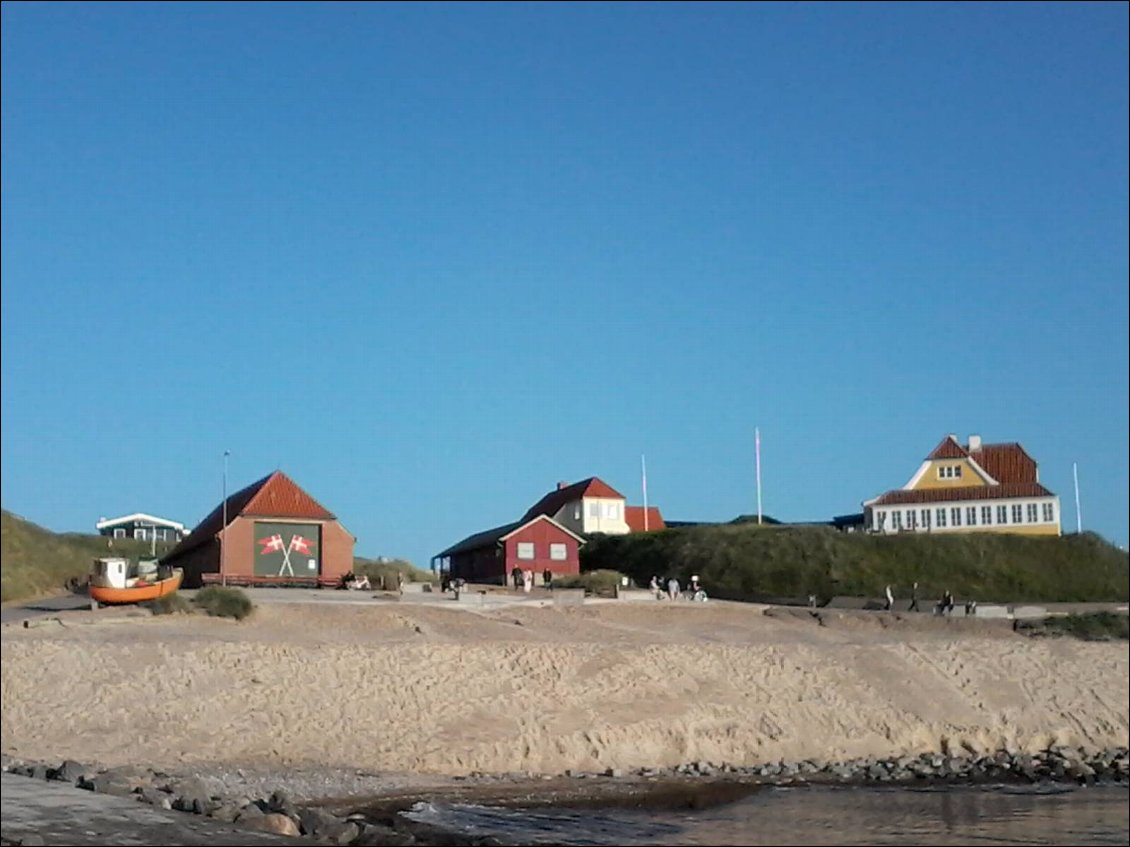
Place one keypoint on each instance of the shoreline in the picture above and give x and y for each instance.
(379, 820)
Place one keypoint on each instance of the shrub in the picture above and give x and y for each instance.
(594, 582)
(171, 604)
(1092, 626)
(222, 602)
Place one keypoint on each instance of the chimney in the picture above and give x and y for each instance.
(562, 485)
(974, 443)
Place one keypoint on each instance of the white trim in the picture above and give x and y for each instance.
(925, 466)
(142, 517)
(564, 529)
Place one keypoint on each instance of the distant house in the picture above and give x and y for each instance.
(275, 531)
(972, 488)
(539, 543)
(591, 506)
(549, 535)
(141, 526)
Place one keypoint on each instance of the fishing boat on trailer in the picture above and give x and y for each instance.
(116, 581)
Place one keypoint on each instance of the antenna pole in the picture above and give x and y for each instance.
(643, 471)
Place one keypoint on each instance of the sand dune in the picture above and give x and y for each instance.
(401, 688)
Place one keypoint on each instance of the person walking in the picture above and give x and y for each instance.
(890, 599)
(527, 580)
(914, 598)
(673, 588)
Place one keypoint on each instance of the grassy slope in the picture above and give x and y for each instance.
(35, 561)
(751, 562)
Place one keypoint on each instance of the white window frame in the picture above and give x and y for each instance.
(1049, 512)
(558, 552)
(955, 515)
(594, 509)
(924, 520)
(940, 517)
(987, 515)
(971, 516)
(526, 551)
(139, 533)
(912, 519)
(1033, 511)
(119, 532)
(612, 511)
(1002, 514)
(1017, 513)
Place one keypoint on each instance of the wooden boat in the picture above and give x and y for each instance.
(117, 581)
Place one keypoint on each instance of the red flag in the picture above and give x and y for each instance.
(301, 545)
(271, 545)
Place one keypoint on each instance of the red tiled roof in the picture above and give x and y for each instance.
(552, 502)
(1006, 462)
(947, 495)
(633, 517)
(948, 449)
(275, 495)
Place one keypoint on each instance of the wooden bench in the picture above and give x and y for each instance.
(257, 581)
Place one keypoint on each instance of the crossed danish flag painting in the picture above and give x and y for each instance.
(286, 549)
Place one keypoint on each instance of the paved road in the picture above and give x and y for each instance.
(62, 814)
(47, 606)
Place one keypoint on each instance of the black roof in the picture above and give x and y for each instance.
(486, 538)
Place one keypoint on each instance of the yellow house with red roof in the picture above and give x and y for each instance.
(974, 487)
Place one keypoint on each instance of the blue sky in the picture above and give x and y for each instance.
(431, 259)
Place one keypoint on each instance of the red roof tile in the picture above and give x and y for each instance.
(275, 495)
(633, 517)
(947, 495)
(948, 449)
(552, 502)
(1006, 462)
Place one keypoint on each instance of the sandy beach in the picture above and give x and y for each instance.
(441, 690)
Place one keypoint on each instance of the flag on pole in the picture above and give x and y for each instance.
(643, 470)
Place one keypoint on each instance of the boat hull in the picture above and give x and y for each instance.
(138, 593)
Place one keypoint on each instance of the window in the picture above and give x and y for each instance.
(986, 515)
(896, 519)
(940, 514)
(139, 533)
(612, 510)
(577, 512)
(949, 472)
(594, 510)
(971, 516)
(1017, 513)
(1049, 513)
(525, 549)
(1002, 514)
(1032, 513)
(925, 518)
(161, 534)
(911, 518)
(557, 552)
(882, 521)
(957, 471)
(955, 515)
(119, 532)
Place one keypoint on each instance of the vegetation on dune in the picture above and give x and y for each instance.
(594, 582)
(1091, 626)
(35, 561)
(172, 604)
(384, 572)
(222, 602)
(750, 562)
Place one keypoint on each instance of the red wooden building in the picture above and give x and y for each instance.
(276, 533)
(538, 543)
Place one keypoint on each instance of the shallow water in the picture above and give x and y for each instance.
(974, 815)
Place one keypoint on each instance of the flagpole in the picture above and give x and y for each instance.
(643, 471)
(1078, 509)
(757, 453)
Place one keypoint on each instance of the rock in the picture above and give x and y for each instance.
(250, 812)
(70, 771)
(273, 822)
(316, 822)
(382, 836)
(155, 797)
(112, 785)
(225, 812)
(615, 773)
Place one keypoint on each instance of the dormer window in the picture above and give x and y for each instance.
(949, 472)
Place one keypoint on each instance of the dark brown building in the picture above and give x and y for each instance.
(275, 532)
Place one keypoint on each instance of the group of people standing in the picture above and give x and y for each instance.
(523, 579)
